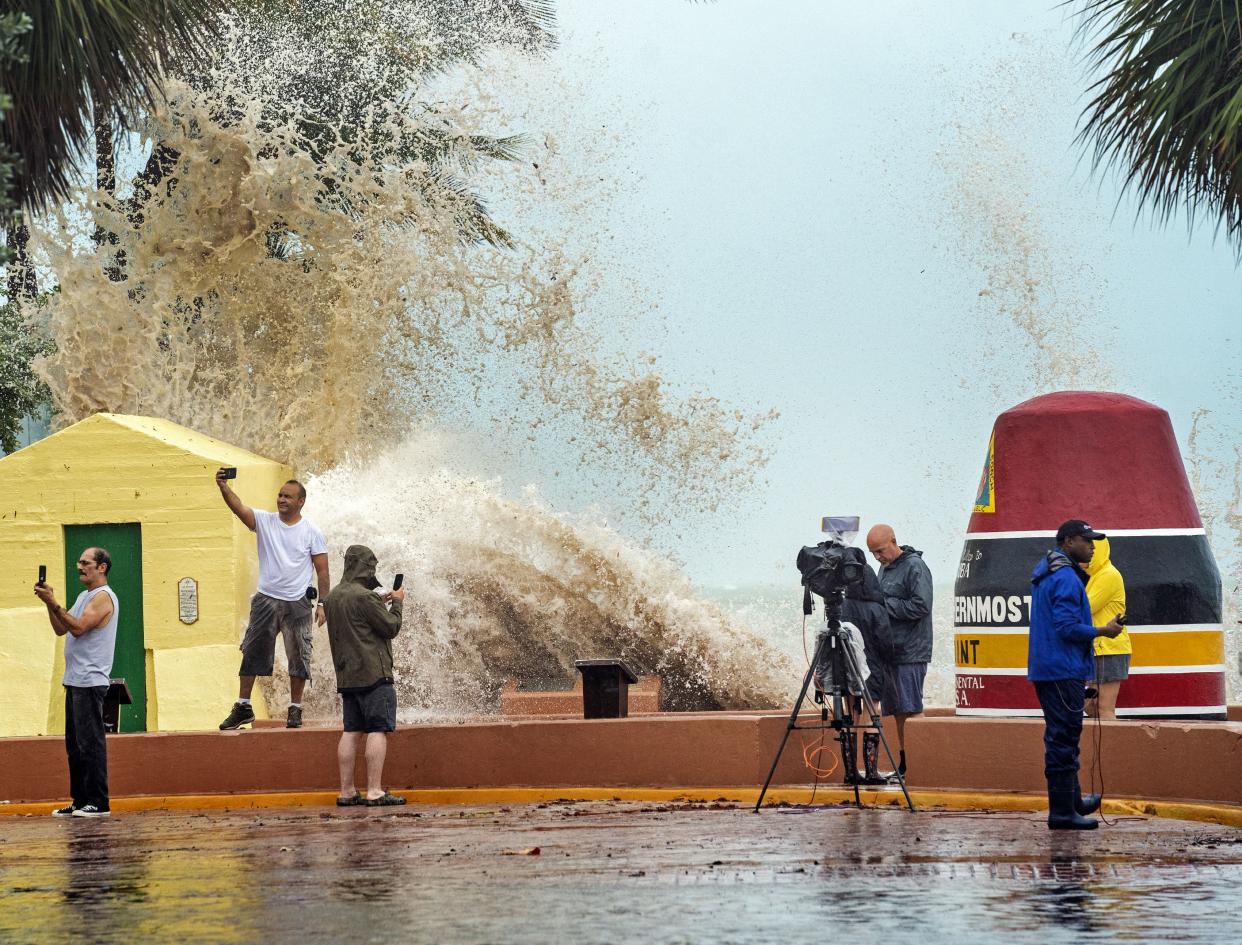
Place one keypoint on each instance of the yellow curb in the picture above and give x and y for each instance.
(1224, 814)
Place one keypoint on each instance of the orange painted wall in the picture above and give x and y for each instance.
(1171, 760)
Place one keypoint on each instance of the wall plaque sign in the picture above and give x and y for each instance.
(187, 600)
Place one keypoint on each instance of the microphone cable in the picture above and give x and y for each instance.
(1097, 744)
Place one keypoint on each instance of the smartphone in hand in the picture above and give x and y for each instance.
(228, 472)
(396, 582)
(42, 574)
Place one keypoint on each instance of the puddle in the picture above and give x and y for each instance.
(635, 873)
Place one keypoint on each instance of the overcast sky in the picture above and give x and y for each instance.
(875, 219)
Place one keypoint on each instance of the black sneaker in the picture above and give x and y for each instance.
(295, 717)
(64, 811)
(90, 810)
(242, 714)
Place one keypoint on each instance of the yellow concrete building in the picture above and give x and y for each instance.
(183, 567)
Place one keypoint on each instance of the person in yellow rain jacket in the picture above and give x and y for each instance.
(1106, 590)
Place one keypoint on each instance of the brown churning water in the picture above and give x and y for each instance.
(306, 303)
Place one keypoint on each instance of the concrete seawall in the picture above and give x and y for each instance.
(1191, 761)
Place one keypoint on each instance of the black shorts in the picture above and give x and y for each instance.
(371, 710)
(875, 682)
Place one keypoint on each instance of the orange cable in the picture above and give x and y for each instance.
(808, 753)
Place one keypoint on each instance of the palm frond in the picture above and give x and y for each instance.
(1167, 110)
(80, 52)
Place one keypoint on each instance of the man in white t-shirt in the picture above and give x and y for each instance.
(291, 551)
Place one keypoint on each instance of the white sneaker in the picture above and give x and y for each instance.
(90, 810)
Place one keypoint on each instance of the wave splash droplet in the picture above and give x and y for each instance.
(317, 301)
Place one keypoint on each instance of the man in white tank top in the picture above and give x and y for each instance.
(292, 553)
(89, 629)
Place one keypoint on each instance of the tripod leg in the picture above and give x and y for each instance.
(878, 724)
(793, 723)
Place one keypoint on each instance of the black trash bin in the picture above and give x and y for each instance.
(116, 696)
(605, 688)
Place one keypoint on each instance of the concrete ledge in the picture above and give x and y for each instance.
(1196, 762)
(1165, 759)
(1228, 815)
(643, 698)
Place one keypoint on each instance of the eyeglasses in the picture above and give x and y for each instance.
(85, 561)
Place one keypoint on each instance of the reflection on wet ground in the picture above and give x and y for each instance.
(613, 872)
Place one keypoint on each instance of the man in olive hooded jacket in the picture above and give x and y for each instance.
(361, 628)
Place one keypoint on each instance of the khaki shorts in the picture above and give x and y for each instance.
(268, 617)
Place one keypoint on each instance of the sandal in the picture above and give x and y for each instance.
(385, 800)
(354, 801)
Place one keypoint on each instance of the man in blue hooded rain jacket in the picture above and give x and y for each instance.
(1059, 660)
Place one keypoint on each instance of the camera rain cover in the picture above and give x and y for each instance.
(830, 566)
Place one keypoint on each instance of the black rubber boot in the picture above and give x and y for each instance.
(1085, 803)
(849, 758)
(871, 759)
(1062, 791)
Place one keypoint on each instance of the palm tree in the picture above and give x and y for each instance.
(1167, 110)
(13, 30)
(330, 100)
(68, 68)
(88, 58)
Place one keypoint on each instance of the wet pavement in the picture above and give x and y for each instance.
(594, 872)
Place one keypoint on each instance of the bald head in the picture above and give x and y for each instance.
(882, 544)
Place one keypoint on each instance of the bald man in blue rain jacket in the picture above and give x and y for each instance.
(1059, 661)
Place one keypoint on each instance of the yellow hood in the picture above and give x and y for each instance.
(1102, 555)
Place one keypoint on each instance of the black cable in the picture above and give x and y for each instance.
(1097, 766)
(1097, 763)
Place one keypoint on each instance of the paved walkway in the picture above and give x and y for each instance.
(603, 872)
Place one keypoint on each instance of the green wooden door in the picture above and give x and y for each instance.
(124, 545)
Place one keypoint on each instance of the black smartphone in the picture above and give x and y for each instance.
(230, 472)
(42, 574)
(311, 593)
(396, 582)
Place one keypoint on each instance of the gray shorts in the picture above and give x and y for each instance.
(903, 688)
(268, 617)
(373, 710)
(1114, 667)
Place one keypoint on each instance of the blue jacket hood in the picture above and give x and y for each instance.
(1054, 561)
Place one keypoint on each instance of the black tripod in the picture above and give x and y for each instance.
(840, 659)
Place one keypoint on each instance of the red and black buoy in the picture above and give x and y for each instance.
(1113, 461)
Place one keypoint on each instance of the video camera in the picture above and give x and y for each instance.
(832, 566)
(829, 568)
